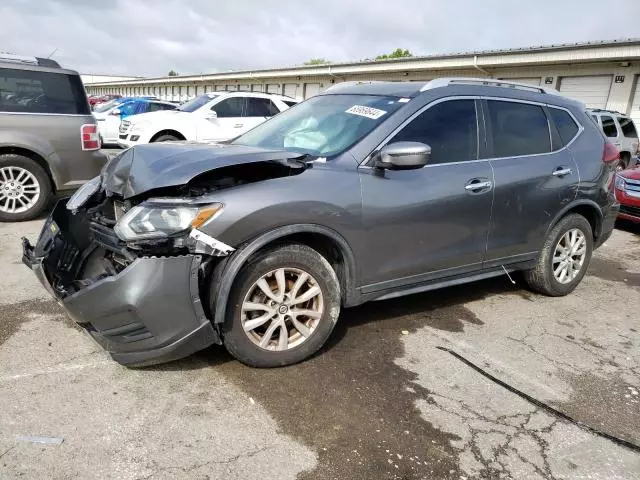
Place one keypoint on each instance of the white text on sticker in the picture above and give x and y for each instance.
(368, 112)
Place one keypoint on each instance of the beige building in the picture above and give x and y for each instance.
(600, 74)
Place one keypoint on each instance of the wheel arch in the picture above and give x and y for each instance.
(588, 209)
(326, 241)
(167, 131)
(36, 157)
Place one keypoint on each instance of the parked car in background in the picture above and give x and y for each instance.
(48, 137)
(94, 101)
(363, 192)
(622, 132)
(627, 186)
(214, 116)
(109, 118)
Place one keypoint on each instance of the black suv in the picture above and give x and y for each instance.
(365, 192)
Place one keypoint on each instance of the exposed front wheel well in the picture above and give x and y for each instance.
(162, 133)
(33, 156)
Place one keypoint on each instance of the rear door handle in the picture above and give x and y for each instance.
(238, 125)
(561, 172)
(476, 185)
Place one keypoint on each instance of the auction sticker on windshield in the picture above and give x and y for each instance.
(368, 112)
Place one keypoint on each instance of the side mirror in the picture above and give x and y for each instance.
(403, 156)
(211, 114)
(116, 111)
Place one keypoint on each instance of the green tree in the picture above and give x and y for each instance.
(397, 53)
(173, 73)
(317, 61)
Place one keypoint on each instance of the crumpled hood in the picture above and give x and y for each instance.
(170, 164)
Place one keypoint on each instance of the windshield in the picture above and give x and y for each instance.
(325, 125)
(107, 105)
(195, 103)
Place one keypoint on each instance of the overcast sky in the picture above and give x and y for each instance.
(150, 37)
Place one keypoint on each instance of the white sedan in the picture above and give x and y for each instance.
(215, 116)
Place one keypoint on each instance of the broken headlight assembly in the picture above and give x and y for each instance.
(157, 219)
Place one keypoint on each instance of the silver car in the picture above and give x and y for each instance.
(49, 141)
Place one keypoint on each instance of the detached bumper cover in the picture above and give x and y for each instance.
(148, 313)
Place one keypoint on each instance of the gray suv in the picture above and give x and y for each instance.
(365, 192)
(48, 138)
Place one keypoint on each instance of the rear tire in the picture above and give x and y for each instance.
(166, 138)
(560, 256)
(277, 333)
(25, 188)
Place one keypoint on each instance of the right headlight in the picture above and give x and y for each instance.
(150, 220)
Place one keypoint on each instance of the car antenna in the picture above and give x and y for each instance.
(509, 276)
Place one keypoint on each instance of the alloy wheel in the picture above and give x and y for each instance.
(19, 190)
(569, 256)
(282, 309)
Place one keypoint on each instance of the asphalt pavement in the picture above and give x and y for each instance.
(484, 380)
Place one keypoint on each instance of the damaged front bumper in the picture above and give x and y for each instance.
(148, 312)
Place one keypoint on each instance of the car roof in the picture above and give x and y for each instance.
(607, 112)
(251, 94)
(458, 86)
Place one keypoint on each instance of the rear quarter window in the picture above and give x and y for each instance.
(565, 124)
(627, 127)
(609, 126)
(26, 91)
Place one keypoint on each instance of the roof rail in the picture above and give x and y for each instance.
(488, 82)
(599, 110)
(25, 60)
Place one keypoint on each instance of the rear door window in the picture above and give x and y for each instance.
(156, 107)
(261, 107)
(229, 107)
(566, 125)
(518, 129)
(450, 128)
(609, 126)
(26, 91)
(627, 127)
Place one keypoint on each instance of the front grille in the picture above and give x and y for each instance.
(629, 210)
(632, 185)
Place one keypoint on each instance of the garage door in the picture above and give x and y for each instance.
(635, 105)
(311, 89)
(291, 90)
(273, 88)
(593, 91)
(527, 80)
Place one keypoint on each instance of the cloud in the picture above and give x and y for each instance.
(151, 37)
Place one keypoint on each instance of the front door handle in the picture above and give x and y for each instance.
(238, 125)
(561, 172)
(477, 185)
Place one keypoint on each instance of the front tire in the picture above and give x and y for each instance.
(25, 188)
(282, 308)
(564, 258)
(166, 138)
